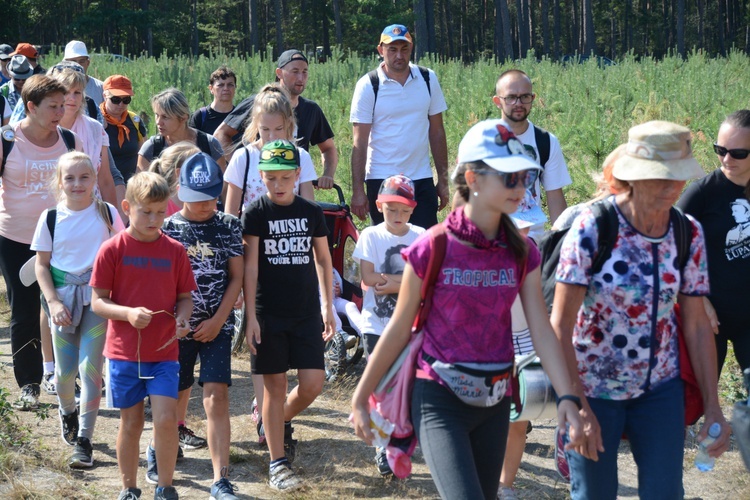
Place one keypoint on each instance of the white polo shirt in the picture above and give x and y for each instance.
(399, 141)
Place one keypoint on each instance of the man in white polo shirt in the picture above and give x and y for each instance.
(397, 118)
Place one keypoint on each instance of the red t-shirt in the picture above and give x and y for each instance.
(143, 274)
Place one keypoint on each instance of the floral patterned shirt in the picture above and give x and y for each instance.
(625, 336)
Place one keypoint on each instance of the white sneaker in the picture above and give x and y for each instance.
(505, 493)
(281, 477)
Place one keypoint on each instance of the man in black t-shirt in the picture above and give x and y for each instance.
(222, 84)
(312, 127)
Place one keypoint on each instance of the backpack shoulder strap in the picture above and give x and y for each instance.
(203, 143)
(51, 222)
(2, 107)
(542, 145)
(438, 243)
(68, 138)
(158, 145)
(91, 107)
(244, 182)
(683, 233)
(7, 147)
(375, 82)
(137, 123)
(204, 115)
(426, 75)
(607, 226)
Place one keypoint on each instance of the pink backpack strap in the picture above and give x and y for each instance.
(438, 243)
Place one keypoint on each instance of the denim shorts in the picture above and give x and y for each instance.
(126, 387)
(216, 360)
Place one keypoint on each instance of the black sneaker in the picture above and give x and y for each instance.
(189, 440)
(83, 456)
(130, 494)
(152, 474)
(290, 444)
(69, 426)
(29, 399)
(48, 383)
(166, 493)
(381, 460)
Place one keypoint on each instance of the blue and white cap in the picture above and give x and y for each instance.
(200, 179)
(492, 142)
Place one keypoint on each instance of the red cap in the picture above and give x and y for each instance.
(26, 49)
(399, 189)
(118, 85)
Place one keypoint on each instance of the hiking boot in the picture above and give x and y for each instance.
(290, 444)
(152, 474)
(223, 490)
(189, 440)
(48, 383)
(381, 460)
(261, 433)
(130, 494)
(281, 477)
(166, 493)
(69, 426)
(83, 456)
(561, 461)
(29, 399)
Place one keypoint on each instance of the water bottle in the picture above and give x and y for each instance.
(703, 461)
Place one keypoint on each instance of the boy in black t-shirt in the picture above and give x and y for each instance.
(286, 258)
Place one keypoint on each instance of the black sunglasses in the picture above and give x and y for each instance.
(118, 100)
(525, 177)
(737, 154)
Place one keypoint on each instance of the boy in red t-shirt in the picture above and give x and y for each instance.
(141, 282)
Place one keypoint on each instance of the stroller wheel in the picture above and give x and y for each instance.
(335, 357)
(238, 333)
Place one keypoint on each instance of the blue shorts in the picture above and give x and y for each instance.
(216, 360)
(126, 389)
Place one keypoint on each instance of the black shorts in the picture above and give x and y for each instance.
(216, 360)
(289, 343)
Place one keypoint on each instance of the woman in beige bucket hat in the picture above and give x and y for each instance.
(622, 322)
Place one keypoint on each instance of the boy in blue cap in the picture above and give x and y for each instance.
(213, 241)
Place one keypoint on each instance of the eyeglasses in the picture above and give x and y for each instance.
(118, 100)
(737, 154)
(512, 99)
(268, 154)
(526, 178)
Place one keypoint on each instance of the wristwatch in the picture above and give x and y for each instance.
(570, 397)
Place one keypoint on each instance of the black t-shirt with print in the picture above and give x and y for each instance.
(212, 120)
(209, 245)
(312, 126)
(287, 281)
(724, 212)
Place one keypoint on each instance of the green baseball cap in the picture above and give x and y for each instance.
(279, 155)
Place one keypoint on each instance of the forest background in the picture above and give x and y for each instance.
(468, 30)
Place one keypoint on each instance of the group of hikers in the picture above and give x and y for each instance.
(125, 255)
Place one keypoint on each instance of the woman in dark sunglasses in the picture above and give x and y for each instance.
(125, 129)
(719, 202)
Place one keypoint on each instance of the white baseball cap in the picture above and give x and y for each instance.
(75, 48)
(493, 142)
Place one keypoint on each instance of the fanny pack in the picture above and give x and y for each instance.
(476, 384)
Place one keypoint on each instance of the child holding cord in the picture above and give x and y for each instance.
(487, 264)
(65, 256)
(142, 282)
(272, 119)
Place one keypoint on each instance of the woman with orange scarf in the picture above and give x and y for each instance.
(125, 129)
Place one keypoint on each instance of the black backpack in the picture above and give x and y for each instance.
(67, 136)
(375, 82)
(607, 226)
(543, 145)
(201, 141)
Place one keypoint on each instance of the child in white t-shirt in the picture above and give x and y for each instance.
(378, 252)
